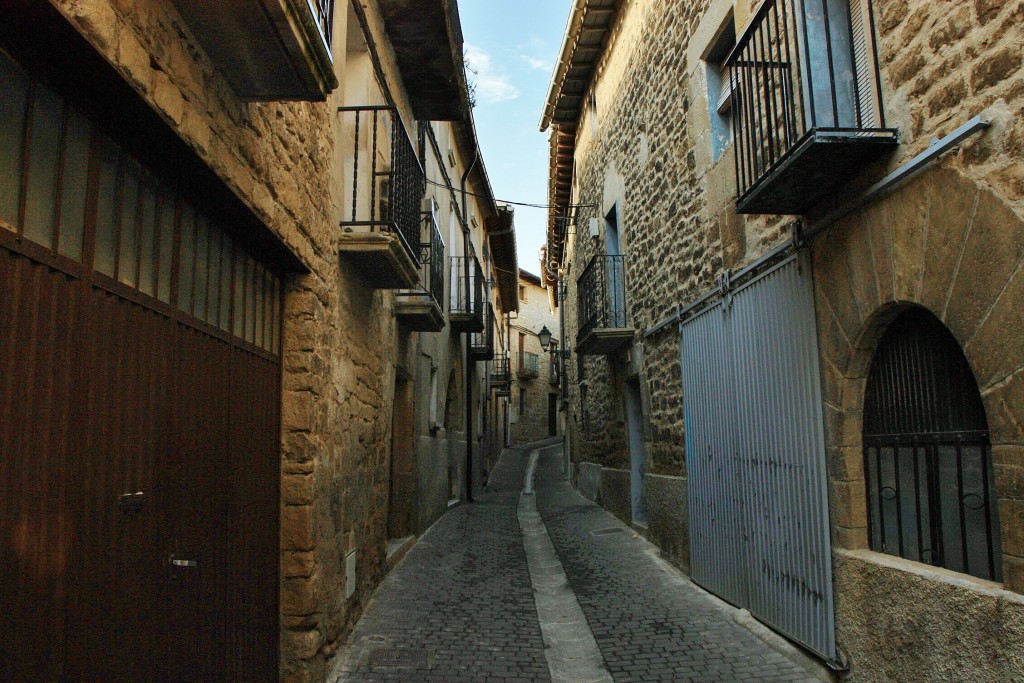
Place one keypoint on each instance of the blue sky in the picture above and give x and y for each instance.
(512, 46)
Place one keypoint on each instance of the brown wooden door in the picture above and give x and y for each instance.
(130, 441)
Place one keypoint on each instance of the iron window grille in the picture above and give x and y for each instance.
(601, 290)
(805, 72)
(386, 178)
(928, 460)
(431, 259)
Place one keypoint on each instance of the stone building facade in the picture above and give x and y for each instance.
(310, 459)
(647, 173)
(535, 399)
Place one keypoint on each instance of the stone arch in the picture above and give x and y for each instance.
(942, 243)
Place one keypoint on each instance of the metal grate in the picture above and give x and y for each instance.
(395, 658)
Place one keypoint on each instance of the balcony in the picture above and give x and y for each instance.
(466, 307)
(481, 344)
(267, 50)
(421, 309)
(381, 223)
(501, 376)
(603, 322)
(528, 365)
(806, 103)
(553, 367)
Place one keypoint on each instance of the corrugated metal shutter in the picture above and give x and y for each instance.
(755, 456)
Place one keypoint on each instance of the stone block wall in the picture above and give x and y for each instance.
(338, 335)
(949, 240)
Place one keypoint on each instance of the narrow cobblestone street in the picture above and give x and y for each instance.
(462, 605)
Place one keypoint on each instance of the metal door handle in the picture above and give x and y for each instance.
(183, 563)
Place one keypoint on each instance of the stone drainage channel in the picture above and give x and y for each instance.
(569, 645)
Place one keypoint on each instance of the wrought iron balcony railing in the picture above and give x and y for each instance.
(806, 106)
(481, 344)
(501, 375)
(422, 309)
(323, 17)
(528, 365)
(601, 289)
(386, 179)
(466, 303)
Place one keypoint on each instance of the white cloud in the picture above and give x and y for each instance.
(536, 64)
(491, 86)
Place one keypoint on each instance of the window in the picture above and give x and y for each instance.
(927, 457)
(522, 293)
(720, 90)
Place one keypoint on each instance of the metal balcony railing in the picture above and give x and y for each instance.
(501, 375)
(387, 180)
(323, 16)
(431, 259)
(481, 344)
(601, 289)
(466, 303)
(528, 364)
(804, 72)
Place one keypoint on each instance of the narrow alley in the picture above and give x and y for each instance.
(471, 602)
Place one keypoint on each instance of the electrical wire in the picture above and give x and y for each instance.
(506, 201)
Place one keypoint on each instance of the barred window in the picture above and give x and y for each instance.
(928, 460)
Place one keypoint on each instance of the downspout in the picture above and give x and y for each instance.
(469, 335)
(508, 364)
(564, 379)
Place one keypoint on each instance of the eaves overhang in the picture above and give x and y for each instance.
(586, 34)
(427, 39)
(501, 235)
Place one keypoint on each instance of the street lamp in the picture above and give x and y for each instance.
(545, 337)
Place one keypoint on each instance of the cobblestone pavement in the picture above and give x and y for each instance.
(460, 606)
(650, 623)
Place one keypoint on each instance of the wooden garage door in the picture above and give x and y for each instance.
(139, 408)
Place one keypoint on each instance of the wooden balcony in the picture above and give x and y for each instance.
(267, 50)
(806, 104)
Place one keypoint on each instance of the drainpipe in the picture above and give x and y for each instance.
(469, 335)
(563, 288)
